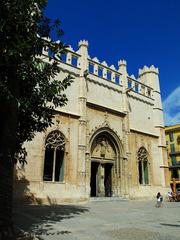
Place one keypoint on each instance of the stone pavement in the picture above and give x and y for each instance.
(124, 220)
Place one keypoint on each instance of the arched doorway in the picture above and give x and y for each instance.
(105, 164)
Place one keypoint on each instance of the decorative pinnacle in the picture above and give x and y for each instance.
(132, 76)
(104, 63)
(70, 48)
(112, 67)
(95, 59)
(83, 43)
(150, 69)
(122, 63)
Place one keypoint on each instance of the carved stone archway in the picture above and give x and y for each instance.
(106, 160)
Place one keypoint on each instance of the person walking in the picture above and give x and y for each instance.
(159, 200)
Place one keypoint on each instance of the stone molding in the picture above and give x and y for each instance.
(106, 109)
(69, 71)
(143, 133)
(104, 85)
(141, 100)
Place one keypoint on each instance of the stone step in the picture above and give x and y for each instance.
(107, 199)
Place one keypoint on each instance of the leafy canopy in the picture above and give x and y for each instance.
(27, 77)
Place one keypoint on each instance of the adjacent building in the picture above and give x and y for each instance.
(173, 151)
(109, 139)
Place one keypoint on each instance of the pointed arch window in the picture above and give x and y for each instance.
(54, 157)
(143, 166)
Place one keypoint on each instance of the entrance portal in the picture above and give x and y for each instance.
(101, 179)
(108, 179)
(94, 179)
(105, 164)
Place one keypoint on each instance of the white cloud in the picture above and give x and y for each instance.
(171, 106)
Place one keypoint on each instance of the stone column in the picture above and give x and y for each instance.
(123, 70)
(126, 130)
(83, 63)
(101, 181)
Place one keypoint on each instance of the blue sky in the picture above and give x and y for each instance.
(143, 32)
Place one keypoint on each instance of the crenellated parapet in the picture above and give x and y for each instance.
(122, 63)
(150, 77)
(150, 69)
(143, 85)
(95, 59)
(83, 43)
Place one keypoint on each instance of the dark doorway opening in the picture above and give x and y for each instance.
(140, 172)
(108, 180)
(94, 178)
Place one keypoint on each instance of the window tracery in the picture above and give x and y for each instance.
(54, 157)
(142, 156)
(55, 140)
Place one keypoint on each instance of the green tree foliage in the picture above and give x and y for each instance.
(27, 83)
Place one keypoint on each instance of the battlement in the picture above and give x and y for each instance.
(100, 69)
(146, 69)
(122, 62)
(83, 43)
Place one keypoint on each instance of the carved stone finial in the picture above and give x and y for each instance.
(70, 48)
(132, 76)
(83, 43)
(95, 59)
(104, 63)
(122, 62)
(106, 116)
(112, 67)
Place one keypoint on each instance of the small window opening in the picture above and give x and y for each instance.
(129, 83)
(108, 75)
(117, 79)
(91, 68)
(74, 61)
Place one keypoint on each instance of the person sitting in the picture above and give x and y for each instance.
(170, 196)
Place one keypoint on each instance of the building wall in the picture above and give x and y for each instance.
(173, 149)
(141, 114)
(100, 104)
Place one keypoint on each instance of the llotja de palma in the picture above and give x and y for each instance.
(107, 141)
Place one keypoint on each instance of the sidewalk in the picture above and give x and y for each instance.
(107, 220)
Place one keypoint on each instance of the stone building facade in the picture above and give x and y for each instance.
(107, 141)
(172, 134)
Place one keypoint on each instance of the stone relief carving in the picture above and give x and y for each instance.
(55, 140)
(103, 148)
(103, 144)
(142, 154)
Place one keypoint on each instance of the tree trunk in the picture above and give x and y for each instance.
(6, 193)
(8, 124)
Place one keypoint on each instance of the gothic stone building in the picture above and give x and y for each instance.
(107, 141)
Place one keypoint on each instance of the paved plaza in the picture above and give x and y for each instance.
(126, 220)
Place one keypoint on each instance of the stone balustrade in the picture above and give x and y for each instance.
(103, 71)
(72, 58)
(139, 87)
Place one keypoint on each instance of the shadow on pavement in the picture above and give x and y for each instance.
(40, 220)
(170, 225)
(31, 217)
